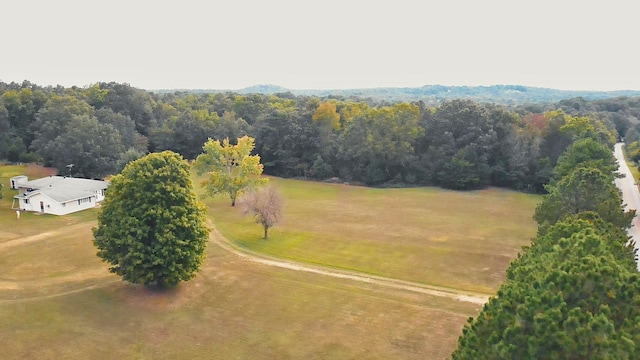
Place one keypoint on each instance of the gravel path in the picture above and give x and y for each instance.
(455, 294)
(219, 240)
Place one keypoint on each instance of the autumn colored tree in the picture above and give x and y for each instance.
(327, 115)
(151, 228)
(230, 168)
(264, 205)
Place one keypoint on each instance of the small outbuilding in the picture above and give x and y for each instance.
(17, 180)
(58, 195)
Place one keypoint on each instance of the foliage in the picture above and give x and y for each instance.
(264, 205)
(327, 115)
(52, 122)
(464, 170)
(186, 133)
(151, 228)
(572, 301)
(231, 168)
(127, 157)
(574, 293)
(460, 139)
(568, 296)
(585, 152)
(378, 145)
(231, 126)
(460, 144)
(584, 189)
(287, 139)
(93, 148)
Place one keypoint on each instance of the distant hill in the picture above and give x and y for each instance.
(501, 94)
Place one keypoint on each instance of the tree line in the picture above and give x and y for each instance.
(458, 144)
(433, 94)
(574, 293)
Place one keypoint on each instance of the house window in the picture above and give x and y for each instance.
(26, 201)
(64, 204)
(84, 200)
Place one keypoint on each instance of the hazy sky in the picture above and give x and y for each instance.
(232, 44)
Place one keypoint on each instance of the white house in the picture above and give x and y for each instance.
(59, 195)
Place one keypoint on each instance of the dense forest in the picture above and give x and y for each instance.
(574, 293)
(458, 144)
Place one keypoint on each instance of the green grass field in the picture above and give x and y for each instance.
(58, 301)
(462, 240)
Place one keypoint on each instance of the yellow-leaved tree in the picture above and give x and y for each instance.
(231, 168)
(327, 115)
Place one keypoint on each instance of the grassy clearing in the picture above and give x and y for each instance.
(461, 240)
(57, 300)
(58, 262)
(232, 309)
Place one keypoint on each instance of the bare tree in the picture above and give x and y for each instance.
(265, 205)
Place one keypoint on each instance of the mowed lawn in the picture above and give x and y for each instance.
(462, 240)
(58, 301)
(233, 309)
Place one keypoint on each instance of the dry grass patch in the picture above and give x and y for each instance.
(235, 309)
(50, 265)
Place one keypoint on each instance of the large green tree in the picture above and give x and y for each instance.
(151, 228)
(131, 138)
(52, 122)
(378, 145)
(186, 133)
(573, 294)
(585, 152)
(287, 140)
(460, 139)
(231, 168)
(93, 148)
(584, 189)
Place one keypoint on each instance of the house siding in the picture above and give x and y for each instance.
(53, 207)
(59, 198)
(17, 180)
